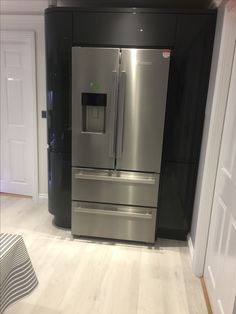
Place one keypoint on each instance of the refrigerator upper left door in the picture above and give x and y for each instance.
(94, 92)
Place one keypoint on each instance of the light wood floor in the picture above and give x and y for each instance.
(90, 277)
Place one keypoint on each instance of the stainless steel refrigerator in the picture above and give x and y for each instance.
(118, 113)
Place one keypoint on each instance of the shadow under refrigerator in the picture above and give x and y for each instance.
(118, 113)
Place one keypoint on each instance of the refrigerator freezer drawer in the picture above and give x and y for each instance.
(117, 187)
(114, 221)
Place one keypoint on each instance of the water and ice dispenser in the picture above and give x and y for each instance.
(94, 112)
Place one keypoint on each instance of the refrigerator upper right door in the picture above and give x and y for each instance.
(141, 108)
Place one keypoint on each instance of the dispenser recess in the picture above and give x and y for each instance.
(93, 112)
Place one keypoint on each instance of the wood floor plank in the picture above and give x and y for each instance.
(87, 276)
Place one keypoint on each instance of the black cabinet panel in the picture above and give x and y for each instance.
(58, 29)
(191, 38)
(124, 29)
(59, 188)
(185, 111)
(190, 67)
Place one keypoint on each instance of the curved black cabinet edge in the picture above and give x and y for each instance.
(59, 187)
(62, 221)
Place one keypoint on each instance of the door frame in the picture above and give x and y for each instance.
(215, 113)
(28, 37)
(223, 223)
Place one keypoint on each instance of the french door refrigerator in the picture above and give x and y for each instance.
(118, 113)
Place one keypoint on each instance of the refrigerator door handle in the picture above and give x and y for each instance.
(113, 114)
(127, 179)
(145, 215)
(121, 107)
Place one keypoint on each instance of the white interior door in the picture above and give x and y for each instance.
(18, 108)
(220, 265)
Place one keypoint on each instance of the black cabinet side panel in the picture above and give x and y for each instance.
(187, 94)
(188, 87)
(59, 187)
(58, 35)
(124, 29)
(58, 32)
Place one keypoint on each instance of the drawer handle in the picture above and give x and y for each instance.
(114, 178)
(112, 213)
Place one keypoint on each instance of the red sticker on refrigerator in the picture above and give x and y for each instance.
(166, 53)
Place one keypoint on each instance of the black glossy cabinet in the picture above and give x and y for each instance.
(114, 29)
(185, 113)
(59, 187)
(58, 61)
(190, 36)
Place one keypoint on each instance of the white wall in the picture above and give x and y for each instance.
(215, 112)
(33, 23)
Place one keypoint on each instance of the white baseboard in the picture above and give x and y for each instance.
(43, 196)
(190, 246)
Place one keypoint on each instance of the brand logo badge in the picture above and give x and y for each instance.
(166, 53)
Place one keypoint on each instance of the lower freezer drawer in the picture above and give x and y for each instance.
(114, 221)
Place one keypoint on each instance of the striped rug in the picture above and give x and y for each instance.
(17, 276)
